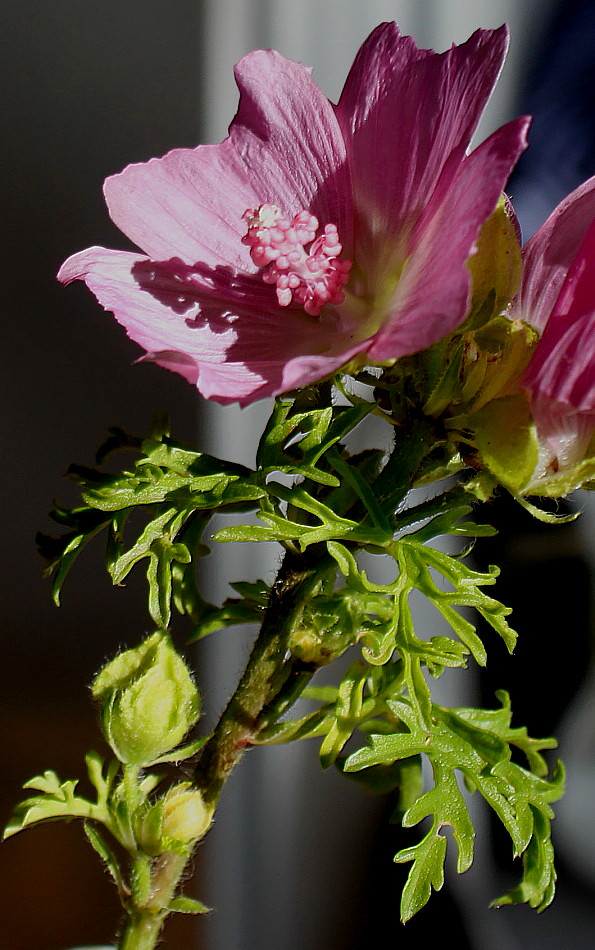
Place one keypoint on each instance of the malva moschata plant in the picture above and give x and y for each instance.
(358, 263)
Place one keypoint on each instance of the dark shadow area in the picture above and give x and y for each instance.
(87, 88)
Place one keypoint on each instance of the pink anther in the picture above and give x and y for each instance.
(277, 244)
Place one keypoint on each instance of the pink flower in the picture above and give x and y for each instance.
(314, 234)
(558, 297)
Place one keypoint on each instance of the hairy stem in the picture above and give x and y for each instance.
(268, 672)
(273, 679)
(271, 682)
(144, 921)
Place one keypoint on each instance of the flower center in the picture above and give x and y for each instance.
(313, 277)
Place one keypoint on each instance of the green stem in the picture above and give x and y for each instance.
(141, 932)
(404, 464)
(268, 673)
(143, 924)
(271, 682)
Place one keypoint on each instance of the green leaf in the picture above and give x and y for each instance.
(57, 800)
(363, 491)
(427, 873)
(294, 441)
(537, 887)
(475, 743)
(347, 713)
(102, 781)
(106, 854)
(404, 777)
(467, 593)
(176, 490)
(61, 553)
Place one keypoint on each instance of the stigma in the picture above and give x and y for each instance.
(313, 277)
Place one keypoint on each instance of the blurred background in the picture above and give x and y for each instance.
(297, 858)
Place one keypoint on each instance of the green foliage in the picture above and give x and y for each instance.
(328, 506)
(58, 800)
(386, 694)
(476, 744)
(175, 491)
(124, 816)
(296, 438)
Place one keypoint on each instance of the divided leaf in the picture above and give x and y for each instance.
(476, 744)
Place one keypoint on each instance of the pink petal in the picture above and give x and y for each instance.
(561, 384)
(285, 148)
(403, 112)
(577, 296)
(549, 254)
(225, 334)
(432, 296)
(562, 368)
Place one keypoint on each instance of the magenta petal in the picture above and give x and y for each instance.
(403, 112)
(153, 325)
(562, 368)
(285, 148)
(549, 254)
(227, 335)
(387, 168)
(577, 296)
(432, 296)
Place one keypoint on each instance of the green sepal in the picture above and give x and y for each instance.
(148, 702)
(187, 905)
(546, 517)
(497, 265)
(505, 436)
(182, 753)
(564, 481)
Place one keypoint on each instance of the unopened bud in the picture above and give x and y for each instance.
(176, 820)
(148, 701)
(185, 815)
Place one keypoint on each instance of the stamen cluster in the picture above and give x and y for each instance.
(313, 277)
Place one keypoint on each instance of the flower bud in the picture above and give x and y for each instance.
(148, 701)
(185, 815)
(173, 822)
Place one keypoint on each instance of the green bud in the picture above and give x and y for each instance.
(176, 820)
(327, 627)
(148, 701)
(185, 815)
